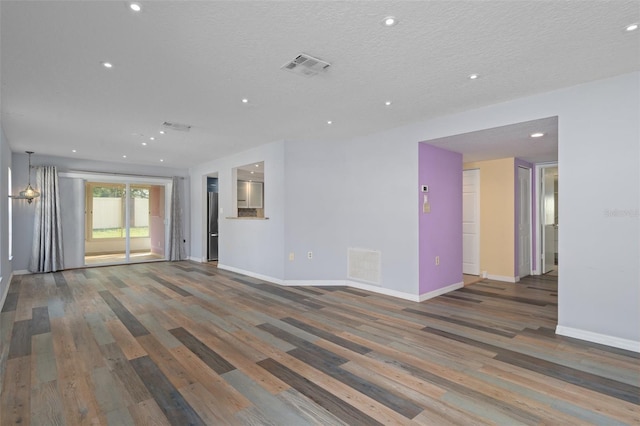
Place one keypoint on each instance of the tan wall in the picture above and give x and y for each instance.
(497, 203)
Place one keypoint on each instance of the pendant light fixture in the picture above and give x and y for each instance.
(29, 193)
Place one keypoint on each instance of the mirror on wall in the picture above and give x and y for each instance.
(250, 190)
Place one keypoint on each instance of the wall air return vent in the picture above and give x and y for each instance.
(363, 265)
(176, 126)
(306, 65)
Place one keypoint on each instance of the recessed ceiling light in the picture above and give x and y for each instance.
(107, 64)
(144, 144)
(389, 21)
(387, 103)
(135, 7)
(257, 165)
(245, 100)
(124, 156)
(152, 138)
(162, 132)
(631, 27)
(329, 122)
(161, 160)
(252, 172)
(73, 150)
(473, 76)
(537, 135)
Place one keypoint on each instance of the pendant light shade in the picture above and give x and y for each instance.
(29, 193)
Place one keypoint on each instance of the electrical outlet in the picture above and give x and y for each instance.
(292, 256)
(310, 255)
(437, 260)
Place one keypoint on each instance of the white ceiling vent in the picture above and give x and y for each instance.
(306, 65)
(176, 126)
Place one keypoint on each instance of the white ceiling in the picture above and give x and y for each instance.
(507, 141)
(192, 62)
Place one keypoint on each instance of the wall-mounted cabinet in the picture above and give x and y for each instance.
(250, 195)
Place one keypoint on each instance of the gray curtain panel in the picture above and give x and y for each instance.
(176, 248)
(46, 253)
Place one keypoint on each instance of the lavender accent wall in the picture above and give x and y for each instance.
(521, 163)
(440, 231)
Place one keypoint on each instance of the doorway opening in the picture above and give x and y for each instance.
(124, 223)
(547, 230)
(213, 210)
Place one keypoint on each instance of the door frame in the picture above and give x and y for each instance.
(477, 248)
(540, 168)
(528, 195)
(106, 177)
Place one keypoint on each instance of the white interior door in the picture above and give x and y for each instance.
(471, 222)
(524, 222)
(547, 217)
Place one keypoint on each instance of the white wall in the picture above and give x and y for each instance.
(5, 264)
(356, 193)
(599, 284)
(253, 246)
(317, 205)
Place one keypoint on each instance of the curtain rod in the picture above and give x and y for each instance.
(120, 174)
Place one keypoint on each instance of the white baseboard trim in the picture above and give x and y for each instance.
(603, 339)
(382, 290)
(196, 259)
(251, 274)
(440, 291)
(6, 292)
(319, 283)
(503, 278)
(347, 283)
(21, 272)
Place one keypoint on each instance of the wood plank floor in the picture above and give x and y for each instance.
(182, 343)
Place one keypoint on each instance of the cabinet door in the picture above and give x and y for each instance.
(255, 195)
(243, 199)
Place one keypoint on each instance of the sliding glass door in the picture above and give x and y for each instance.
(124, 222)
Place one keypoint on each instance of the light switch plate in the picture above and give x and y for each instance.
(426, 208)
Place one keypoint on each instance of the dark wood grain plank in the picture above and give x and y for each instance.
(20, 339)
(567, 374)
(526, 300)
(134, 326)
(277, 291)
(461, 389)
(327, 336)
(40, 320)
(330, 402)
(494, 330)
(302, 344)
(386, 398)
(170, 401)
(168, 284)
(117, 282)
(206, 354)
(10, 302)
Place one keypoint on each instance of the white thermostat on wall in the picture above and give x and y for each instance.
(425, 188)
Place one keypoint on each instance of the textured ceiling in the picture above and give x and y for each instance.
(192, 62)
(507, 141)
